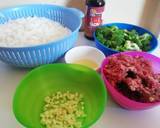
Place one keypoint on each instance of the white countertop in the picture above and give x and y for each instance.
(113, 117)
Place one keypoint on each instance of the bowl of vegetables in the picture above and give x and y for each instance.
(133, 79)
(119, 37)
(60, 96)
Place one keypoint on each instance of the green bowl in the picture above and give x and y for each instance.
(29, 96)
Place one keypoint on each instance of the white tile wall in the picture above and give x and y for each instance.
(123, 11)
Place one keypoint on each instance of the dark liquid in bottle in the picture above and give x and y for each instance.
(93, 17)
(95, 3)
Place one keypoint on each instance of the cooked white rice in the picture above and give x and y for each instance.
(31, 31)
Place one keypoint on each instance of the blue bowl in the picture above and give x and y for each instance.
(45, 53)
(108, 51)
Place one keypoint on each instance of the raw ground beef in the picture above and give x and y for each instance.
(133, 77)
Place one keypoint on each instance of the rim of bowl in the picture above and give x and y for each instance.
(110, 24)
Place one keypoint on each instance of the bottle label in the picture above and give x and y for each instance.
(93, 19)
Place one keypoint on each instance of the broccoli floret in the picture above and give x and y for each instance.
(131, 46)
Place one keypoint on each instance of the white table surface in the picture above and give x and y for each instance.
(113, 117)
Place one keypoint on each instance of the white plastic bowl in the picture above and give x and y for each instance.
(85, 52)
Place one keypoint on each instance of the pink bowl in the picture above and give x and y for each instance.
(120, 98)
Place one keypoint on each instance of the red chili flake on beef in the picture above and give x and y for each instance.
(133, 77)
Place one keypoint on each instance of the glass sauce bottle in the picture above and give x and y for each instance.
(93, 16)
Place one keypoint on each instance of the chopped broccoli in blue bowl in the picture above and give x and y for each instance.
(119, 37)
